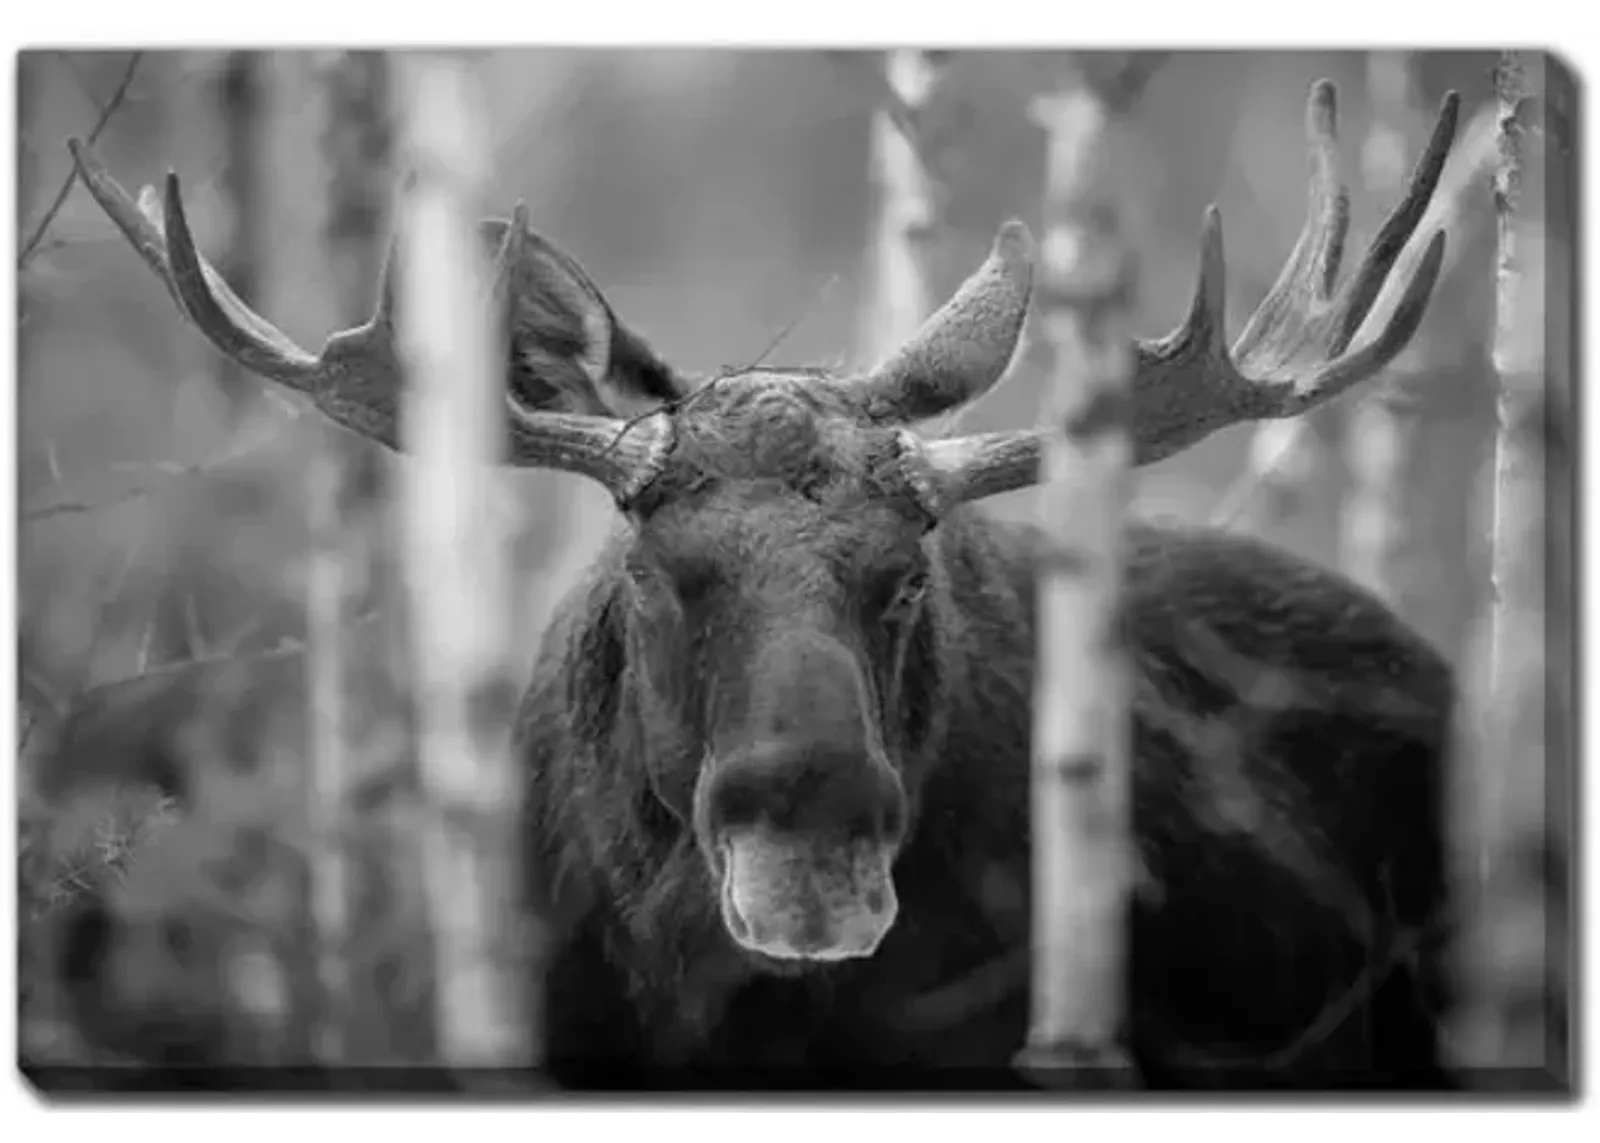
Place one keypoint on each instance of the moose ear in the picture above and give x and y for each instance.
(569, 351)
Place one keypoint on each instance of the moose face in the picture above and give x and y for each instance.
(779, 587)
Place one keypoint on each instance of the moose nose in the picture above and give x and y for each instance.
(797, 749)
(805, 839)
(806, 787)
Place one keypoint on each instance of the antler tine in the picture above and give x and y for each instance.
(1295, 351)
(355, 380)
(1313, 266)
(1310, 342)
(510, 252)
(226, 321)
(202, 296)
(624, 457)
(1364, 289)
(139, 222)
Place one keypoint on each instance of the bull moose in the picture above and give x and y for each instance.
(776, 742)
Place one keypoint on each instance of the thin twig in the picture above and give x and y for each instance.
(118, 581)
(782, 334)
(676, 406)
(85, 88)
(30, 247)
(286, 649)
(245, 445)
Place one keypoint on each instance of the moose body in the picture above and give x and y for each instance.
(1282, 868)
(776, 745)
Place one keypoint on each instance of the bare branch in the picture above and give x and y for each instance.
(31, 246)
(243, 445)
(200, 664)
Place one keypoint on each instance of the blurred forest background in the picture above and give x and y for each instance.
(718, 197)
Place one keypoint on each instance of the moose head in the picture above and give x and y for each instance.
(782, 587)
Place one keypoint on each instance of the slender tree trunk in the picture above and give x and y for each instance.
(1516, 923)
(267, 965)
(1380, 431)
(1081, 732)
(1284, 461)
(185, 615)
(908, 206)
(241, 102)
(459, 564)
(328, 778)
(356, 152)
(1560, 95)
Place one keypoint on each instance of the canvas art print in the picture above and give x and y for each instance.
(743, 572)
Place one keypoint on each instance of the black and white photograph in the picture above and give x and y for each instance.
(668, 575)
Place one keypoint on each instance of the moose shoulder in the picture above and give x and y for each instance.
(777, 740)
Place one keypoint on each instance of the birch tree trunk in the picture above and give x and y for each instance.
(1081, 733)
(458, 563)
(1504, 839)
(908, 207)
(1380, 433)
(1442, 395)
(1284, 460)
(356, 156)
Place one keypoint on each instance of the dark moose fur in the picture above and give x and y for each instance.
(1281, 873)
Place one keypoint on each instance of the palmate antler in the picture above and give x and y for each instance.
(1296, 350)
(355, 380)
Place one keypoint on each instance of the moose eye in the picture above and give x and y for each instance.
(907, 593)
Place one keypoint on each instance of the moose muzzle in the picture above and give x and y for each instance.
(793, 897)
(798, 810)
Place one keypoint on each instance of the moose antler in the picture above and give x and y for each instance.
(355, 380)
(1295, 351)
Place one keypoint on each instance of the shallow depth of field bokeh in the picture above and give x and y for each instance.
(717, 197)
